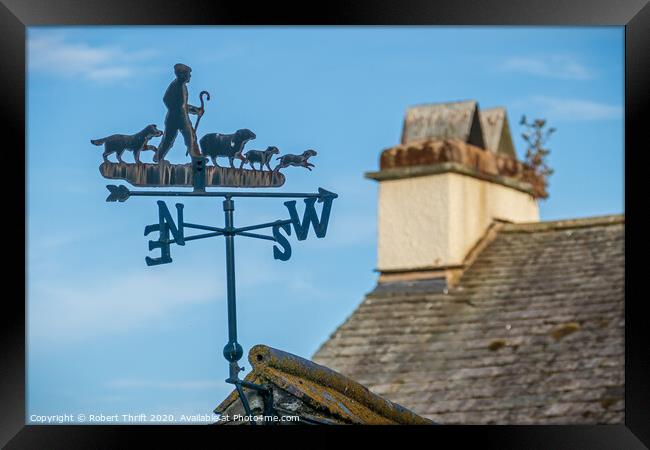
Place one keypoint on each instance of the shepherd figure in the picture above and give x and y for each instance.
(178, 111)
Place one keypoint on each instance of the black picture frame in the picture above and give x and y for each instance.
(16, 15)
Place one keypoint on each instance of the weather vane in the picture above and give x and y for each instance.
(198, 175)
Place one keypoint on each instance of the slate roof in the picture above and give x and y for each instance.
(315, 393)
(532, 334)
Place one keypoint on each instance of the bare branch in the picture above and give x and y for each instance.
(536, 154)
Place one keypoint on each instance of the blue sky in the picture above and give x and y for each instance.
(107, 334)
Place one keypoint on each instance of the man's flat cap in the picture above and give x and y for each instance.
(181, 68)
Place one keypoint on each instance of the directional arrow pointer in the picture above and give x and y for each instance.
(323, 194)
(117, 193)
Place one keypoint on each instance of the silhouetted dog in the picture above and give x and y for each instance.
(260, 156)
(230, 146)
(296, 160)
(119, 143)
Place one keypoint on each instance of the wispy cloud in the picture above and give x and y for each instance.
(54, 54)
(576, 110)
(114, 304)
(57, 240)
(552, 66)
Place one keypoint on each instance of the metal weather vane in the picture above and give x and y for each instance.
(199, 175)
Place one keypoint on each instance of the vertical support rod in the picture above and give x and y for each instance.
(232, 351)
(199, 173)
(228, 207)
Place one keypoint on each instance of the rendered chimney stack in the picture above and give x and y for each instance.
(453, 176)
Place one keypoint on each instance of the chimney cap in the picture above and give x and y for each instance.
(449, 120)
(496, 131)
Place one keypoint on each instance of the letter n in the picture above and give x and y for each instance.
(164, 226)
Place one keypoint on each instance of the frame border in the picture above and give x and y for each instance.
(16, 15)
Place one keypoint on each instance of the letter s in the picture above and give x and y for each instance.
(284, 243)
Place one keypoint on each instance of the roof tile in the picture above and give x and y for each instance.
(432, 352)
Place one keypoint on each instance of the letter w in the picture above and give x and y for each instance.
(310, 217)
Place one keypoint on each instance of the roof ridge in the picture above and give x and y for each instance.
(302, 377)
(262, 357)
(583, 222)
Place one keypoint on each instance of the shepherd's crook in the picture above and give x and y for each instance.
(199, 115)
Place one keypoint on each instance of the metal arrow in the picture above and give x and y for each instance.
(121, 193)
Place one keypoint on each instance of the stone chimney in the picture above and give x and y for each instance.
(453, 177)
